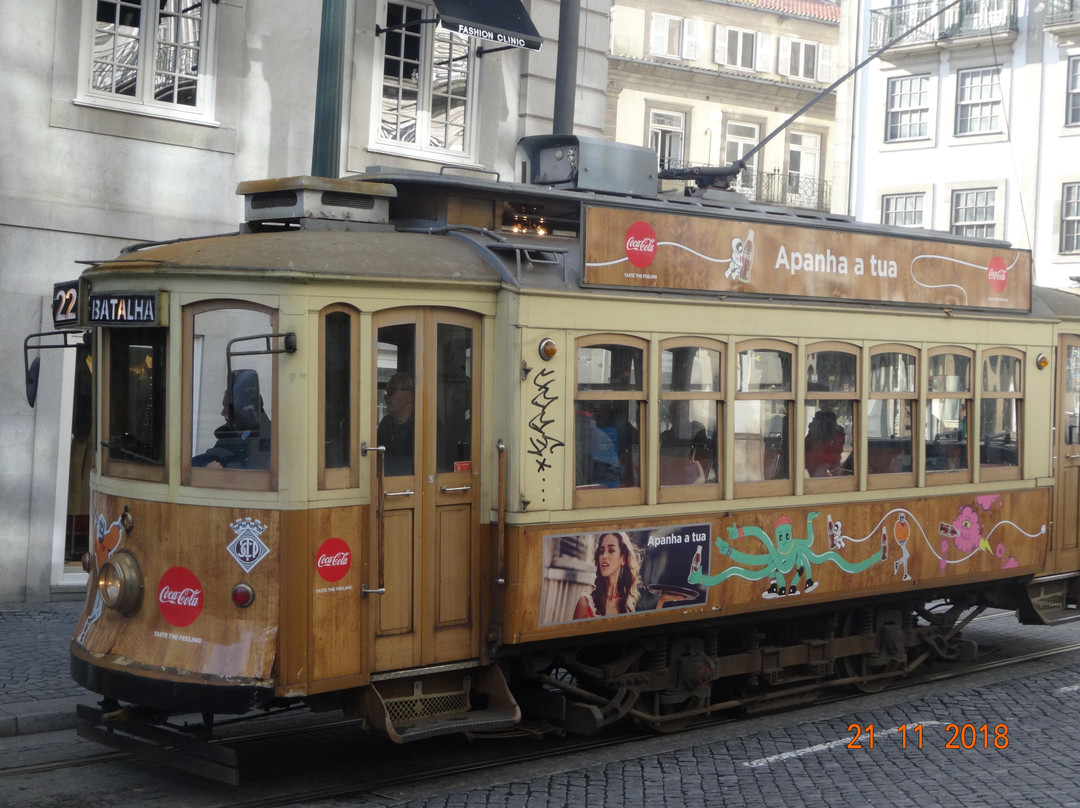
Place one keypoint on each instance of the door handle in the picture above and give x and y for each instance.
(364, 591)
(1072, 456)
(449, 490)
(405, 493)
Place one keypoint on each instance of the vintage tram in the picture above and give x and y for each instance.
(441, 451)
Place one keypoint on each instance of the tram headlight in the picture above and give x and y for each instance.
(120, 582)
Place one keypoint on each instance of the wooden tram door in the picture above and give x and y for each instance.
(1066, 535)
(427, 613)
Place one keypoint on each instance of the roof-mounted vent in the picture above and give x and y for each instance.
(295, 198)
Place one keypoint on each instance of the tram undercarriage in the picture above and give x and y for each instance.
(665, 681)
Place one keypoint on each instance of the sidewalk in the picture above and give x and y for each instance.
(37, 694)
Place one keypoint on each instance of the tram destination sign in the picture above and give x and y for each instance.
(666, 251)
(127, 308)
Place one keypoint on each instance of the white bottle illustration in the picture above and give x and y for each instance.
(695, 565)
(747, 257)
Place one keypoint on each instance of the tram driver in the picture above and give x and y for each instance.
(396, 429)
(243, 441)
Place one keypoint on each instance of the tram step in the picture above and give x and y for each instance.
(428, 706)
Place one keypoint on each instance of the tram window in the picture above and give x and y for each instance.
(948, 407)
(690, 401)
(832, 392)
(231, 400)
(608, 417)
(890, 420)
(396, 357)
(763, 406)
(338, 466)
(454, 399)
(999, 415)
(136, 403)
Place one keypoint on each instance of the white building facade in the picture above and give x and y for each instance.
(971, 123)
(132, 120)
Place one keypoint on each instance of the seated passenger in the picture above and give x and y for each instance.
(824, 445)
(243, 441)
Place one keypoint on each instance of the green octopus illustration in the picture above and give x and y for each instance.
(784, 557)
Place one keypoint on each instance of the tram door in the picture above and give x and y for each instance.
(426, 368)
(1066, 538)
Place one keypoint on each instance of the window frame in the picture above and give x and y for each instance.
(128, 469)
(995, 104)
(795, 67)
(1069, 223)
(976, 228)
(920, 112)
(659, 135)
(345, 476)
(773, 486)
(428, 35)
(589, 497)
(233, 479)
(895, 479)
(919, 208)
(706, 490)
(991, 473)
(1072, 92)
(967, 398)
(849, 482)
(661, 29)
(144, 101)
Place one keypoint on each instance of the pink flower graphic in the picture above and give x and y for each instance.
(968, 530)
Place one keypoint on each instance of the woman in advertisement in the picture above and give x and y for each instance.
(618, 578)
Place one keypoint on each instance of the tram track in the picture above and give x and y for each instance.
(404, 772)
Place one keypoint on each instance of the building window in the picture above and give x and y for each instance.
(902, 210)
(427, 86)
(1070, 217)
(799, 59)
(148, 57)
(978, 101)
(907, 112)
(804, 154)
(666, 137)
(674, 37)
(973, 213)
(736, 47)
(739, 139)
(1072, 96)
(609, 409)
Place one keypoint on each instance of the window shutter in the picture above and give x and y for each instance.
(658, 35)
(691, 37)
(824, 63)
(763, 63)
(783, 66)
(720, 45)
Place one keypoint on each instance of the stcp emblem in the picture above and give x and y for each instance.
(248, 548)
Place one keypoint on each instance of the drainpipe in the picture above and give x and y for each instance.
(566, 67)
(326, 150)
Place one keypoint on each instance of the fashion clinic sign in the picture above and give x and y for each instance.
(637, 248)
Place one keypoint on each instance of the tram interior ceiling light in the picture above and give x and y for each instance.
(548, 349)
(1042, 361)
(120, 582)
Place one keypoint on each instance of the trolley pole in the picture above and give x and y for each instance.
(566, 67)
(326, 150)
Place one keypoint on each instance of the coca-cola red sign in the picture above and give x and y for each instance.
(180, 596)
(333, 559)
(997, 274)
(640, 244)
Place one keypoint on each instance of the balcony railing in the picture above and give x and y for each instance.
(969, 18)
(1062, 12)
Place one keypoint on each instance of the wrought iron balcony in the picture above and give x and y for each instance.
(970, 18)
(1062, 12)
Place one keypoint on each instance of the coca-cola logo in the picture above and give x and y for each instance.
(640, 244)
(180, 596)
(333, 559)
(997, 274)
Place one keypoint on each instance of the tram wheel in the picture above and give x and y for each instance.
(868, 670)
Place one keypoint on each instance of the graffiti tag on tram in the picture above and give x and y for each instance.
(541, 443)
